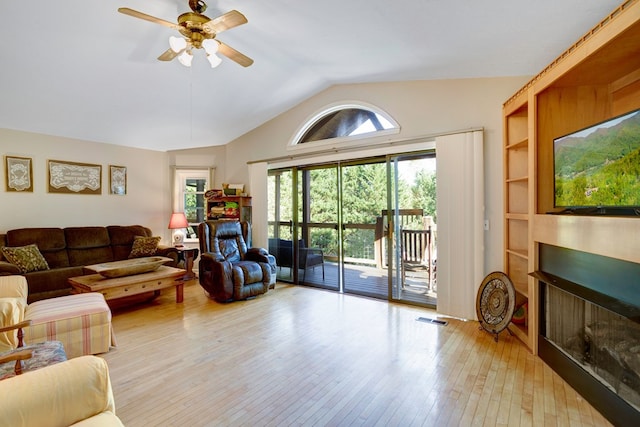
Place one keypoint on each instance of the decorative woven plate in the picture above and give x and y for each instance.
(495, 302)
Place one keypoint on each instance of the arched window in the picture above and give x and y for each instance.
(345, 121)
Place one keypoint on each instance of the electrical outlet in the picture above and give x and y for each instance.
(486, 225)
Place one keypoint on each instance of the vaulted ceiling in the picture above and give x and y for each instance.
(80, 69)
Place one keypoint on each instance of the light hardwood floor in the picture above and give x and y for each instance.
(304, 356)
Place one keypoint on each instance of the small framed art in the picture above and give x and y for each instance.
(117, 180)
(18, 173)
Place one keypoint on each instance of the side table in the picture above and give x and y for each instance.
(188, 255)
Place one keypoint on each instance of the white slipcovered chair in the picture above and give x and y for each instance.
(15, 356)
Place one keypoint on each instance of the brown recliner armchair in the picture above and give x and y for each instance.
(228, 269)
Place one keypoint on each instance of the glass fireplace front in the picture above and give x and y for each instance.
(603, 343)
(589, 327)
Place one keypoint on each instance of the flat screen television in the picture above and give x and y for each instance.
(597, 169)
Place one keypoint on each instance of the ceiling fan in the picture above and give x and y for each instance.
(199, 32)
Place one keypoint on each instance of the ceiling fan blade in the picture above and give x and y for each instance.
(234, 55)
(149, 18)
(169, 54)
(226, 21)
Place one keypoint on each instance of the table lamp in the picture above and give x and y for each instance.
(177, 223)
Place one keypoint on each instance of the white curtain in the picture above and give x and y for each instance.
(258, 190)
(460, 196)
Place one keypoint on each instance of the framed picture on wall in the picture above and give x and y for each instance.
(18, 173)
(74, 178)
(117, 180)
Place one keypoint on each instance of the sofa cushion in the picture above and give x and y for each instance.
(122, 238)
(63, 394)
(11, 313)
(86, 237)
(144, 246)
(3, 242)
(27, 258)
(103, 419)
(51, 283)
(230, 250)
(247, 272)
(14, 287)
(50, 241)
(88, 245)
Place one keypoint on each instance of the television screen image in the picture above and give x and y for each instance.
(599, 167)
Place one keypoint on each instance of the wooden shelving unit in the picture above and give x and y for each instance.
(595, 79)
(229, 208)
(518, 213)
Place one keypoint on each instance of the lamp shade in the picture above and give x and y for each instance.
(178, 220)
(185, 58)
(214, 60)
(210, 46)
(177, 44)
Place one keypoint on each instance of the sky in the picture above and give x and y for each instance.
(588, 131)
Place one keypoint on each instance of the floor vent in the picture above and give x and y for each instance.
(434, 321)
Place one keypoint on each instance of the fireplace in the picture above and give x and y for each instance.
(589, 324)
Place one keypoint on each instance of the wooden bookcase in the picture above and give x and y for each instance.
(518, 212)
(219, 208)
(596, 78)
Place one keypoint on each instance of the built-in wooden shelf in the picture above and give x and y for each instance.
(519, 179)
(523, 143)
(521, 253)
(517, 216)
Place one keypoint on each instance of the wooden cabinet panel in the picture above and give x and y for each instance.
(518, 236)
(518, 273)
(518, 196)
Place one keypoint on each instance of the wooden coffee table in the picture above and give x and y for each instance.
(118, 287)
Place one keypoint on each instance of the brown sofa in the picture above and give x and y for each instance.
(68, 250)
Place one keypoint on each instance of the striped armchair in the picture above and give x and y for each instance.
(81, 322)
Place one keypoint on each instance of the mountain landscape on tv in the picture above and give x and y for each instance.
(601, 169)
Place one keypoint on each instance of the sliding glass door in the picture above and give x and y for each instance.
(412, 221)
(365, 227)
(364, 198)
(281, 203)
(303, 225)
(319, 236)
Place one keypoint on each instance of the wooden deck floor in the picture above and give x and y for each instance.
(369, 281)
(299, 356)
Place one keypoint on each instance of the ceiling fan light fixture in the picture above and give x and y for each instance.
(210, 46)
(177, 44)
(198, 31)
(185, 58)
(214, 60)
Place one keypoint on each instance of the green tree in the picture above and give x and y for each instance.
(364, 193)
(423, 193)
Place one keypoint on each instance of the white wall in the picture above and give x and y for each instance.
(421, 108)
(211, 157)
(147, 201)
